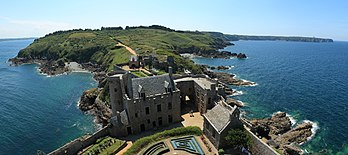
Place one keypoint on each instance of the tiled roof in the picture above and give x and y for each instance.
(151, 85)
(219, 116)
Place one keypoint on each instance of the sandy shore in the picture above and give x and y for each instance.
(75, 67)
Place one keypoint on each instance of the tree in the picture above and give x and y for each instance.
(238, 138)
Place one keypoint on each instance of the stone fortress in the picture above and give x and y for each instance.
(141, 104)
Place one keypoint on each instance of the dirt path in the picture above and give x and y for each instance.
(128, 48)
(129, 144)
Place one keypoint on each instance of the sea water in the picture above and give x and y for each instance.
(309, 81)
(39, 112)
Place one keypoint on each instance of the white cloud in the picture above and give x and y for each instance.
(10, 28)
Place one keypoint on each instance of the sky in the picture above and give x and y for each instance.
(311, 18)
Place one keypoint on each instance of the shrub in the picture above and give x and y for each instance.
(180, 131)
(238, 138)
(221, 151)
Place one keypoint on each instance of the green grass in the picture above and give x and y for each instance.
(176, 132)
(99, 46)
(106, 151)
(139, 73)
(82, 35)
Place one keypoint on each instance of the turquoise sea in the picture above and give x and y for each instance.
(307, 80)
(39, 112)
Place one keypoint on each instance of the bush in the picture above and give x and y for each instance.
(238, 138)
(180, 131)
(221, 151)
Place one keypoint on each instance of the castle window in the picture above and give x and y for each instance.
(170, 105)
(136, 115)
(148, 121)
(142, 95)
(115, 90)
(159, 121)
(159, 108)
(170, 118)
(147, 110)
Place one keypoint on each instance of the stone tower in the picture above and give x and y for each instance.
(116, 90)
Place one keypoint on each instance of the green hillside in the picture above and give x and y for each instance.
(99, 46)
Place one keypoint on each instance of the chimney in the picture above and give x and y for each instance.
(170, 71)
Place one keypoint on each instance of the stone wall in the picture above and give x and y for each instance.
(80, 143)
(140, 120)
(259, 147)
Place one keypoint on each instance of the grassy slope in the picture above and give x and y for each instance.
(98, 46)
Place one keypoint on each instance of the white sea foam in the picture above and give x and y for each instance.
(251, 85)
(241, 102)
(276, 113)
(237, 93)
(230, 67)
(292, 119)
(314, 129)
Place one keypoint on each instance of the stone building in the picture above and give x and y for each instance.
(200, 91)
(140, 104)
(218, 121)
(134, 62)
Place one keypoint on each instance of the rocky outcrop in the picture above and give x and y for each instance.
(298, 135)
(228, 79)
(90, 102)
(279, 123)
(241, 56)
(222, 68)
(52, 68)
(48, 67)
(278, 130)
(87, 99)
(231, 101)
(292, 150)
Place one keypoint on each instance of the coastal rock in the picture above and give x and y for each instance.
(90, 102)
(279, 123)
(298, 135)
(229, 79)
(241, 56)
(88, 98)
(231, 101)
(222, 68)
(292, 150)
(229, 91)
(278, 130)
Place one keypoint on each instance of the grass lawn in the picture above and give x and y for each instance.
(139, 73)
(107, 149)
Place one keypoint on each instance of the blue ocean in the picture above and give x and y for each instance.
(39, 112)
(309, 81)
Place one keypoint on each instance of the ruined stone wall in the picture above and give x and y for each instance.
(80, 143)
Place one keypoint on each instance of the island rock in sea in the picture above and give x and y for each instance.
(241, 56)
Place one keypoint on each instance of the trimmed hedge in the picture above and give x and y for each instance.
(180, 131)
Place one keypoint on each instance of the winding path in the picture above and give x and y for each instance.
(128, 48)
